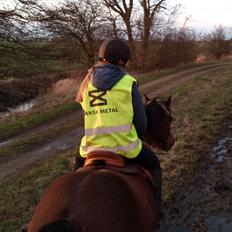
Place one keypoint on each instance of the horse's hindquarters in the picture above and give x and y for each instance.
(99, 200)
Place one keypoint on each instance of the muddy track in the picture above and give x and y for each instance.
(70, 139)
(204, 204)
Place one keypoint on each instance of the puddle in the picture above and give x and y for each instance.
(220, 150)
(63, 143)
(24, 106)
(218, 224)
(70, 140)
(20, 108)
(6, 142)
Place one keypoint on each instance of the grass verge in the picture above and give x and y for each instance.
(18, 124)
(201, 109)
(20, 194)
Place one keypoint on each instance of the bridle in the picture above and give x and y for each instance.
(160, 109)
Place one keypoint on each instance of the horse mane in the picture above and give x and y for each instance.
(59, 226)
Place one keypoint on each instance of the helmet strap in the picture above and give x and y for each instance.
(122, 63)
(119, 62)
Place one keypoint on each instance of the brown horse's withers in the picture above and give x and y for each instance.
(95, 199)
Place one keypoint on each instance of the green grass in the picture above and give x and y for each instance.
(201, 109)
(18, 125)
(20, 194)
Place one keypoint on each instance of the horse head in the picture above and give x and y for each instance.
(158, 133)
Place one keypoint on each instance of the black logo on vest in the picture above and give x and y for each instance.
(96, 98)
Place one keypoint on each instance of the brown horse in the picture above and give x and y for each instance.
(106, 199)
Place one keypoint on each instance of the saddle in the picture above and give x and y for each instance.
(112, 161)
(97, 158)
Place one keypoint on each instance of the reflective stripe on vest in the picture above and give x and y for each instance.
(117, 149)
(108, 130)
(108, 120)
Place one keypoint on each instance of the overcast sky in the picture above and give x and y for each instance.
(205, 14)
(202, 14)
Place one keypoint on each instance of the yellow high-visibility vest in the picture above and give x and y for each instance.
(108, 120)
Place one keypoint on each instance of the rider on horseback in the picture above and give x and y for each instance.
(115, 118)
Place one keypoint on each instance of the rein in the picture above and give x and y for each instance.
(164, 108)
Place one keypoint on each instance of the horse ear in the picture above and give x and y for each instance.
(168, 102)
(147, 99)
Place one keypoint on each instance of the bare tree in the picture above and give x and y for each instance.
(150, 10)
(218, 43)
(14, 19)
(115, 29)
(75, 20)
(124, 9)
(177, 47)
(15, 29)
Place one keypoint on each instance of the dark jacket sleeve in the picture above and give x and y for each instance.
(140, 118)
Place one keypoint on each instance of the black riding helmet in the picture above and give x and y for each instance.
(113, 50)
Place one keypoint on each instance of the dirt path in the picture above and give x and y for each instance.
(171, 81)
(70, 139)
(183, 74)
(60, 144)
